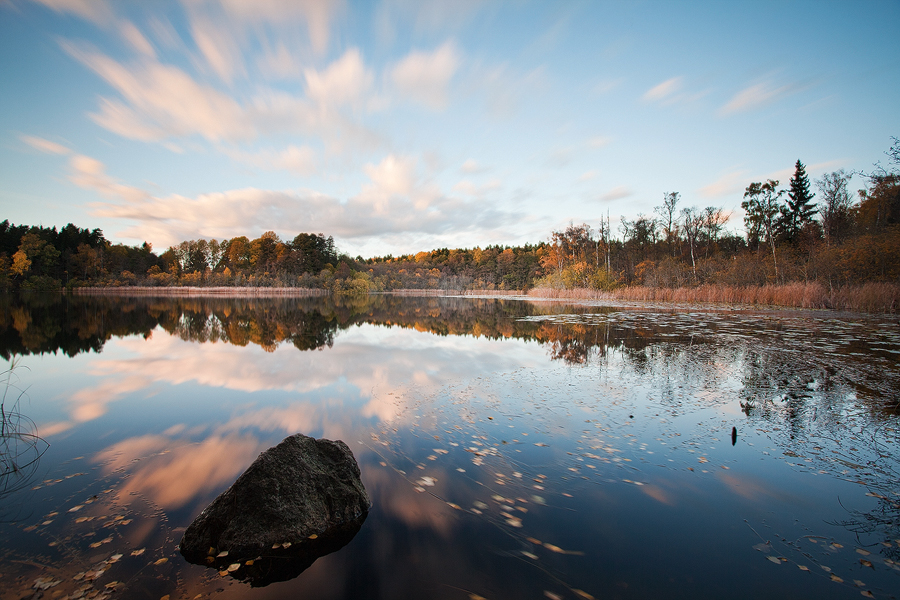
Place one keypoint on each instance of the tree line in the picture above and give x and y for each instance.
(794, 233)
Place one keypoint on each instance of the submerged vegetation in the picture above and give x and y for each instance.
(836, 253)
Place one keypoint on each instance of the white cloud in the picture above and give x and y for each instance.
(396, 201)
(587, 175)
(90, 173)
(425, 77)
(44, 145)
(663, 90)
(617, 193)
(346, 81)
(756, 96)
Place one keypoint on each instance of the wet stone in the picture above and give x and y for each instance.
(298, 501)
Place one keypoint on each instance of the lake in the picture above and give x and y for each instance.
(511, 449)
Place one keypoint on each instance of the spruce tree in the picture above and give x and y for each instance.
(799, 208)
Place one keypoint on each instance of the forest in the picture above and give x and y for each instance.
(806, 232)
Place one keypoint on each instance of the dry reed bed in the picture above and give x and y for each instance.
(869, 297)
(225, 292)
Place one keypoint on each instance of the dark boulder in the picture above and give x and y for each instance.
(298, 500)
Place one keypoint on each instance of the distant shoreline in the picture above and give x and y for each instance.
(870, 297)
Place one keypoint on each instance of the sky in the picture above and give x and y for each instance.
(403, 125)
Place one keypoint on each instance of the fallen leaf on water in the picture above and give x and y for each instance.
(552, 596)
(529, 555)
(30, 528)
(553, 548)
(476, 597)
(249, 563)
(161, 561)
(76, 508)
(115, 558)
(836, 579)
(866, 563)
(138, 552)
(222, 554)
(858, 583)
(803, 567)
(314, 536)
(765, 548)
(583, 594)
(534, 541)
(286, 545)
(542, 445)
(863, 552)
(774, 559)
(233, 567)
(867, 594)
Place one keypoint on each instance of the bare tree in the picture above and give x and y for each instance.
(668, 219)
(692, 220)
(835, 206)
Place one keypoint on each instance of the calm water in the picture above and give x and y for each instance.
(512, 450)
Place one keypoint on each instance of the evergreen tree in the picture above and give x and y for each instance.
(799, 208)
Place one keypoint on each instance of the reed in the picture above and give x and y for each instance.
(869, 297)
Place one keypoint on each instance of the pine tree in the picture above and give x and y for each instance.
(799, 208)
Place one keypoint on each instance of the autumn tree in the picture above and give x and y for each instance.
(762, 206)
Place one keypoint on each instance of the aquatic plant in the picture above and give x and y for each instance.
(21, 447)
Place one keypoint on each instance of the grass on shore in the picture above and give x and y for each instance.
(869, 297)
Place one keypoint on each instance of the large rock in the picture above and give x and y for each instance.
(298, 500)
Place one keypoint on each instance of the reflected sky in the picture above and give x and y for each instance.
(510, 450)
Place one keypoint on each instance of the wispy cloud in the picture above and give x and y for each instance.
(296, 159)
(44, 145)
(96, 11)
(425, 77)
(663, 90)
(617, 193)
(757, 96)
(728, 184)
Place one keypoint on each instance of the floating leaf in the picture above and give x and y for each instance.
(866, 563)
(553, 548)
(774, 559)
(552, 596)
(233, 567)
(529, 555)
(863, 552)
(222, 554)
(76, 508)
(583, 594)
(803, 568)
(836, 579)
(287, 545)
(138, 552)
(161, 561)
(867, 594)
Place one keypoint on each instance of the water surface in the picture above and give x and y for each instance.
(511, 450)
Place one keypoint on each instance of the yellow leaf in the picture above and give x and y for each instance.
(161, 561)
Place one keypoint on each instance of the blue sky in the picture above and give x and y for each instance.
(401, 125)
